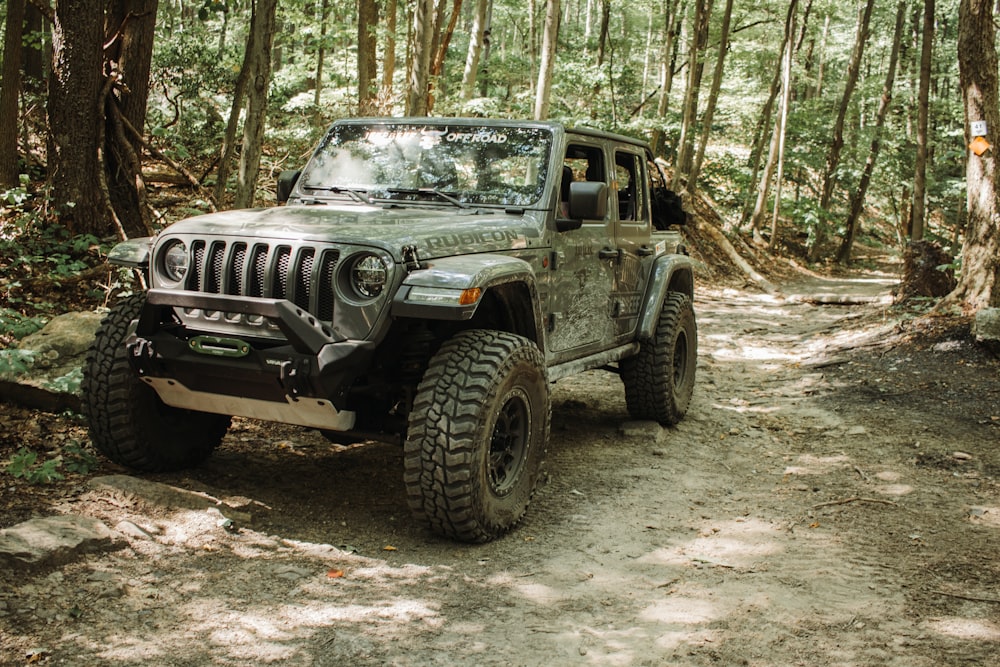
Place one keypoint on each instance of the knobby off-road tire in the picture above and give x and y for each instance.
(659, 380)
(477, 435)
(128, 422)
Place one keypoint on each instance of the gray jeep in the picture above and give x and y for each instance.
(424, 284)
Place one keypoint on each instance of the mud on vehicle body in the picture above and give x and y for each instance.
(425, 283)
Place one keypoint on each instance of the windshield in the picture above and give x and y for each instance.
(504, 166)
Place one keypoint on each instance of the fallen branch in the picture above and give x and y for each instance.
(855, 499)
(736, 258)
(971, 598)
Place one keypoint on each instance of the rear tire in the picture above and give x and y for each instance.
(128, 422)
(659, 381)
(477, 435)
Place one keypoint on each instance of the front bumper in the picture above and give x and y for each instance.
(301, 380)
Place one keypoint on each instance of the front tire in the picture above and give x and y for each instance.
(659, 381)
(128, 422)
(477, 435)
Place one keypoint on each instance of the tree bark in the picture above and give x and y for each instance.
(475, 50)
(548, 59)
(858, 197)
(367, 26)
(699, 38)
(671, 12)
(977, 60)
(923, 113)
(10, 88)
(837, 140)
(130, 29)
(389, 49)
(260, 40)
(782, 129)
(420, 59)
(324, 13)
(74, 116)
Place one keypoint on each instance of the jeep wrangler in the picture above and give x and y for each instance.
(425, 283)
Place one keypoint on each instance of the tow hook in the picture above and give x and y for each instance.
(141, 354)
(294, 376)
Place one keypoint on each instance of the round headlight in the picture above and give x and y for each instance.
(368, 276)
(175, 261)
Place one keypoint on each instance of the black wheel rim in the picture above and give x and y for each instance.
(680, 359)
(509, 443)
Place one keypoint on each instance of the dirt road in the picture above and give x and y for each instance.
(829, 500)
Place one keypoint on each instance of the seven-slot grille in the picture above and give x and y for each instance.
(303, 274)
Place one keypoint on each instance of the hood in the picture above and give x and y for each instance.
(435, 231)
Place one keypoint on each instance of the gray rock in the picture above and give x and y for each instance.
(987, 324)
(52, 540)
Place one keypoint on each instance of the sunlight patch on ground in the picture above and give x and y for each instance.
(807, 464)
(680, 610)
(985, 516)
(966, 628)
(732, 544)
(895, 489)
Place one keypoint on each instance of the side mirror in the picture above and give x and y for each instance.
(588, 200)
(286, 183)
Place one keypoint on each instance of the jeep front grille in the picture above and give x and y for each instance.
(303, 274)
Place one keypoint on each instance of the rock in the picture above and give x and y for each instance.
(167, 496)
(52, 540)
(987, 324)
(59, 350)
(65, 338)
(649, 430)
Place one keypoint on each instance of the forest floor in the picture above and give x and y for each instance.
(832, 498)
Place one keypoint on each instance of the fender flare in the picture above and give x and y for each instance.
(670, 273)
(435, 292)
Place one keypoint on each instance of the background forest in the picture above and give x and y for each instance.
(807, 125)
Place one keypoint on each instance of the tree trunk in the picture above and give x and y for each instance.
(444, 41)
(713, 97)
(837, 140)
(324, 11)
(367, 26)
(666, 71)
(420, 58)
(130, 29)
(389, 49)
(699, 38)
(475, 49)
(858, 197)
(549, 39)
(259, 42)
(782, 129)
(923, 97)
(10, 88)
(977, 60)
(75, 117)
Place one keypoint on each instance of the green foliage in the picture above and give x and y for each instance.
(16, 325)
(15, 362)
(72, 458)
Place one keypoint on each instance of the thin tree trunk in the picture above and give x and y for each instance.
(713, 97)
(547, 65)
(420, 59)
(699, 38)
(232, 126)
(923, 98)
(475, 49)
(367, 25)
(671, 12)
(389, 49)
(977, 59)
(261, 38)
(437, 65)
(858, 198)
(324, 11)
(837, 139)
(782, 131)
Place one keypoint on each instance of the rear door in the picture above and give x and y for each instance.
(632, 226)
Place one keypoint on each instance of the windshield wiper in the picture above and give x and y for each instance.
(357, 194)
(428, 191)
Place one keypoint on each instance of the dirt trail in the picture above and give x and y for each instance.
(827, 501)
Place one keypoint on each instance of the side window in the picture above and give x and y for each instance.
(629, 178)
(582, 163)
